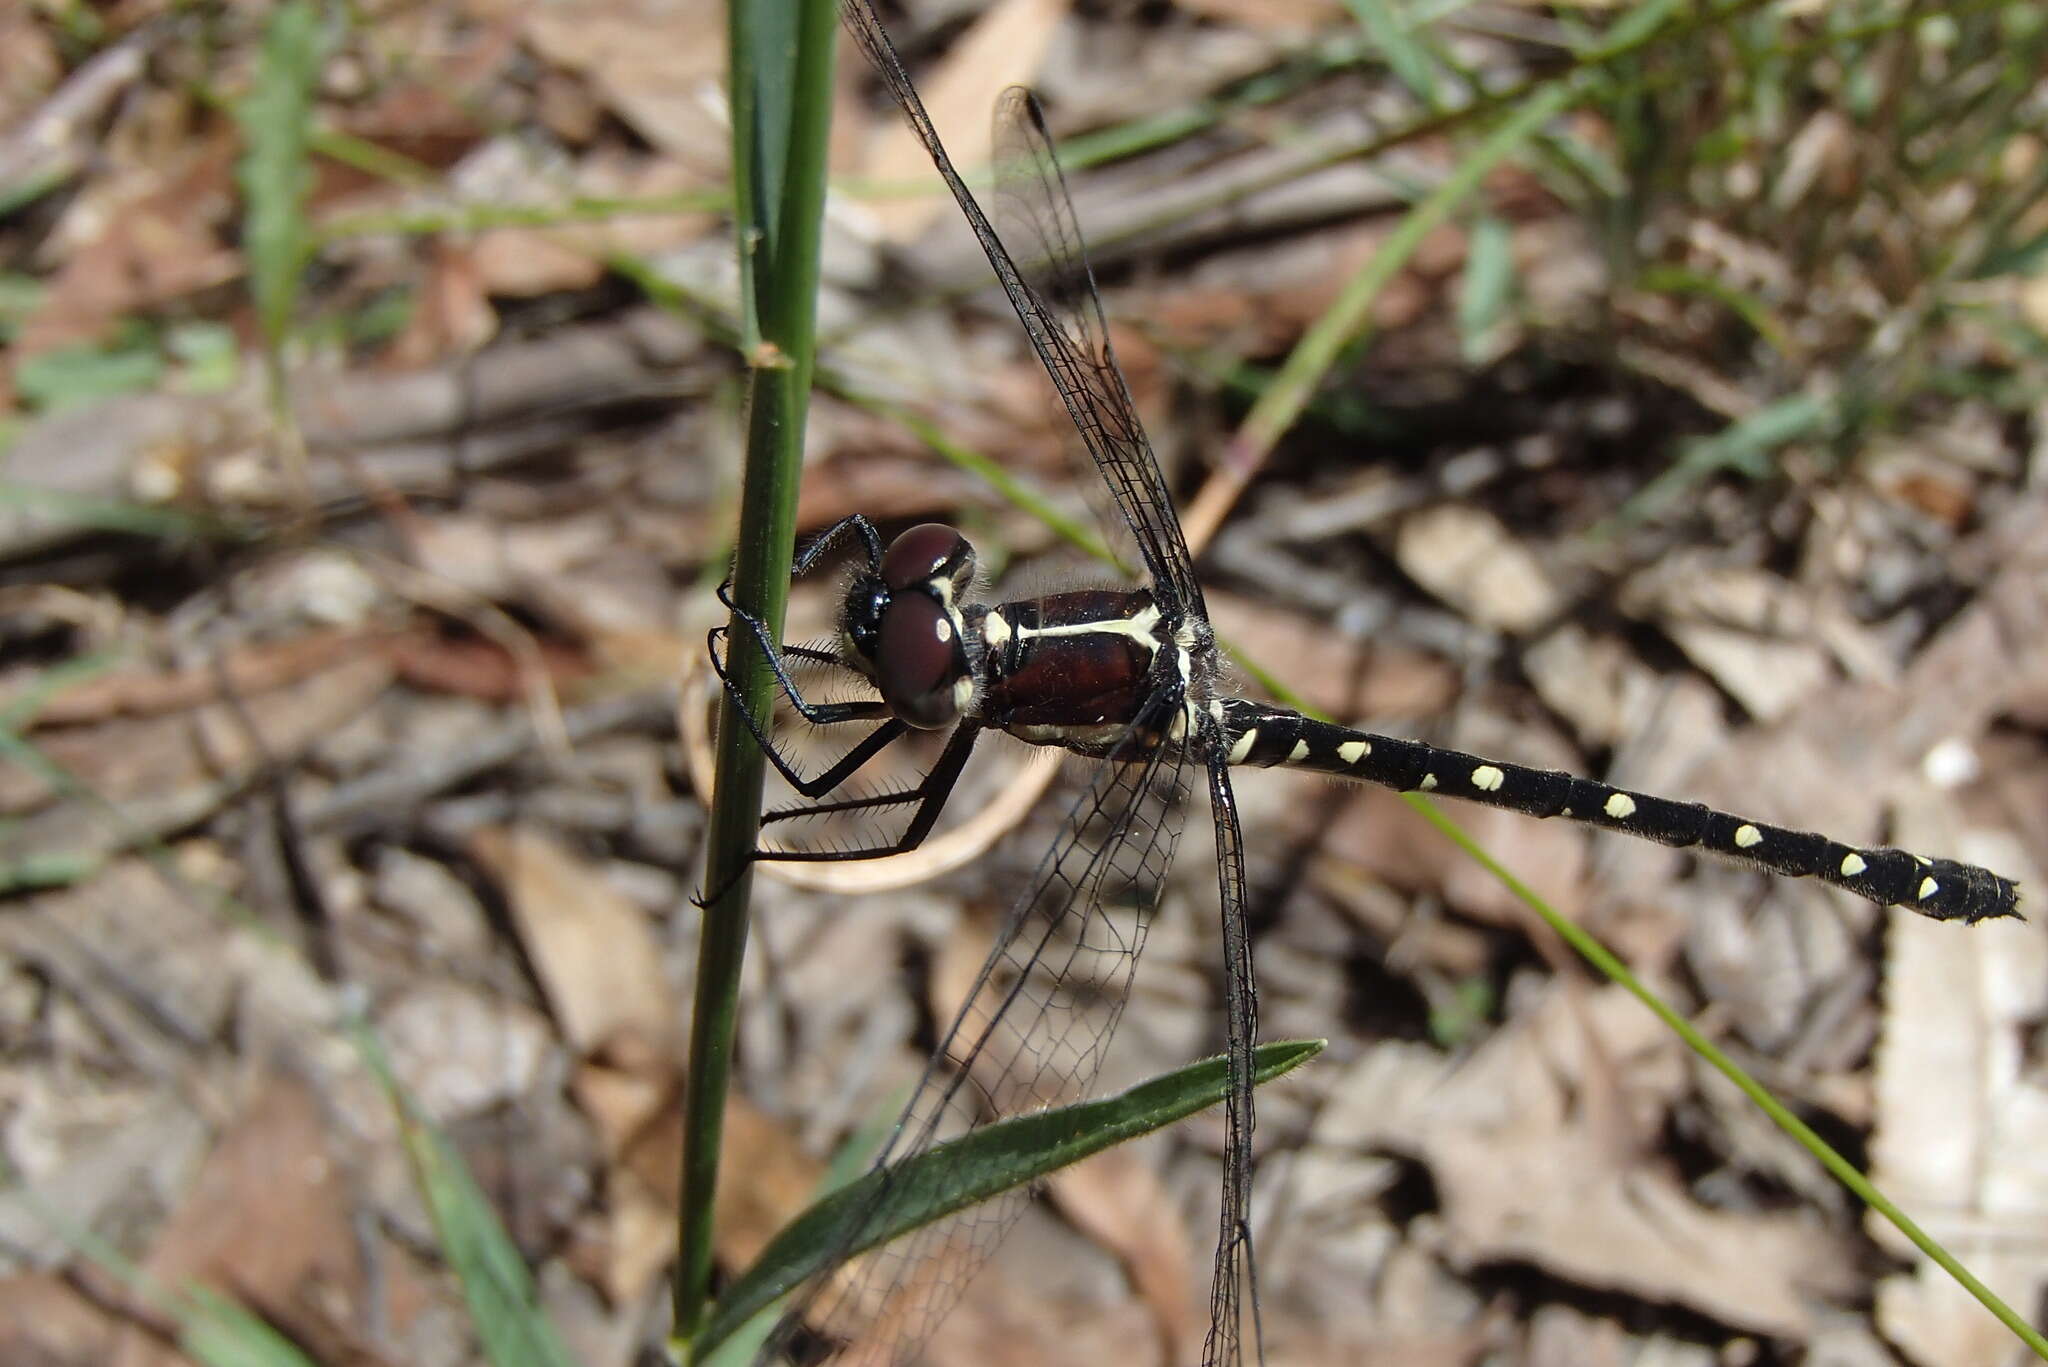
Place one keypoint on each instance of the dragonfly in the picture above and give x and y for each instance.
(1131, 679)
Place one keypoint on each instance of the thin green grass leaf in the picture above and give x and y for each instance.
(20, 296)
(74, 376)
(503, 1308)
(1344, 322)
(886, 1204)
(208, 356)
(277, 123)
(1744, 304)
(1635, 27)
(1747, 447)
(1396, 40)
(116, 515)
(219, 1333)
(781, 82)
(1489, 282)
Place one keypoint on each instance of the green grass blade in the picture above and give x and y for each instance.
(1488, 284)
(781, 83)
(1406, 57)
(886, 1204)
(219, 1333)
(500, 1294)
(74, 376)
(113, 514)
(1343, 323)
(1746, 446)
(277, 123)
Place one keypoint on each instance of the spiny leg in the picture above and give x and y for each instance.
(818, 714)
(929, 796)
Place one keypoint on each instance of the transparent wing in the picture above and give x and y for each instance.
(1230, 1287)
(1034, 220)
(1054, 295)
(1031, 1034)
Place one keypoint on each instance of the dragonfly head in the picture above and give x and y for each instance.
(904, 624)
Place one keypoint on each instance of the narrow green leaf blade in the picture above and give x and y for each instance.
(502, 1304)
(883, 1205)
(1489, 280)
(214, 1330)
(503, 1307)
(1406, 58)
(74, 376)
(277, 121)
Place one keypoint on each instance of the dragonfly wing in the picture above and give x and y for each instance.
(1061, 310)
(1031, 1034)
(1055, 298)
(1230, 1287)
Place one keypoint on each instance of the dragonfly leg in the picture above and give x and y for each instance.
(818, 714)
(778, 656)
(884, 735)
(928, 798)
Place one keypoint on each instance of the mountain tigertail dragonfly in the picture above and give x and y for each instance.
(1130, 679)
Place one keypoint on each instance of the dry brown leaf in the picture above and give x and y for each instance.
(619, 1101)
(148, 757)
(526, 262)
(1334, 672)
(1527, 1172)
(642, 1238)
(459, 1052)
(1469, 560)
(249, 669)
(81, 1150)
(1769, 678)
(268, 1222)
(765, 1179)
(1960, 1107)
(1596, 682)
(167, 772)
(453, 317)
(480, 669)
(1278, 16)
(1376, 831)
(44, 1320)
(1116, 1199)
(432, 108)
(1002, 48)
(658, 64)
(595, 956)
(152, 236)
(33, 66)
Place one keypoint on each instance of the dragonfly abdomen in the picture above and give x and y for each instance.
(1941, 888)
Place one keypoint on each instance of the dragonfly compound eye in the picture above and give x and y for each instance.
(929, 553)
(921, 665)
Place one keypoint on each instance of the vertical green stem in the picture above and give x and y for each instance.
(781, 81)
